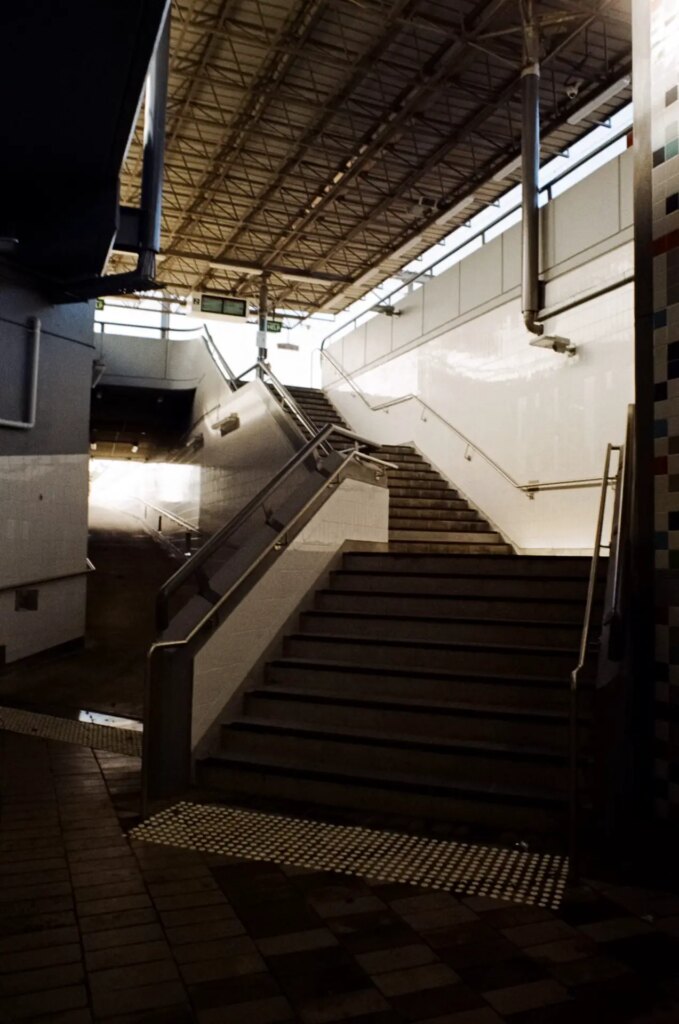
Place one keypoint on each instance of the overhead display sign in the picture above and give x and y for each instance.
(220, 307)
(274, 327)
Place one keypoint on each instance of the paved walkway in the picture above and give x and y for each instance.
(94, 927)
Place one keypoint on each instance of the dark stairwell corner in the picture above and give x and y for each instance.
(105, 673)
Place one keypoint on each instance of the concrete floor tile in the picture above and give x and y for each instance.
(383, 960)
(275, 1010)
(526, 997)
(415, 979)
(296, 942)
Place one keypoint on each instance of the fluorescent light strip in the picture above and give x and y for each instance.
(504, 172)
(454, 210)
(599, 100)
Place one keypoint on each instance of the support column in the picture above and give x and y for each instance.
(263, 313)
(155, 105)
(530, 169)
(656, 146)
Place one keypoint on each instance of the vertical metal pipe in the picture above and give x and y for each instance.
(155, 105)
(530, 168)
(261, 328)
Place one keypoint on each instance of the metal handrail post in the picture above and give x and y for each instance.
(573, 752)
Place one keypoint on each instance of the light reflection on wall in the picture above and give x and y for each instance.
(115, 484)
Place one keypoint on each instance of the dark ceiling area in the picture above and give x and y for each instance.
(314, 139)
(71, 75)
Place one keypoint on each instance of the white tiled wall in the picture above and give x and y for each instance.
(462, 348)
(43, 517)
(357, 511)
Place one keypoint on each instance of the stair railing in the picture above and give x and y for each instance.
(529, 489)
(219, 360)
(166, 766)
(265, 373)
(190, 530)
(288, 401)
(193, 566)
(608, 482)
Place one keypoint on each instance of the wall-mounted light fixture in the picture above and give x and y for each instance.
(599, 100)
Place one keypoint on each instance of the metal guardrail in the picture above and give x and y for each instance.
(616, 482)
(389, 299)
(190, 530)
(89, 567)
(218, 539)
(167, 729)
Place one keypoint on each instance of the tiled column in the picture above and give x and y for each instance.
(658, 264)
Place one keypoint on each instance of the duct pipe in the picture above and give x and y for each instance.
(530, 166)
(155, 105)
(261, 327)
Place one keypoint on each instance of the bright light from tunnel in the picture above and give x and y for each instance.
(115, 484)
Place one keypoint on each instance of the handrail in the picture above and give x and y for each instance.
(215, 542)
(622, 521)
(287, 399)
(407, 398)
(150, 327)
(427, 272)
(166, 514)
(574, 798)
(219, 360)
(183, 641)
(89, 567)
(529, 489)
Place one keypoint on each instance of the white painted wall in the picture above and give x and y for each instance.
(356, 512)
(461, 347)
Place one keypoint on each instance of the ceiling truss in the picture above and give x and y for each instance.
(313, 139)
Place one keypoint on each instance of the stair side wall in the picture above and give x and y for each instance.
(355, 515)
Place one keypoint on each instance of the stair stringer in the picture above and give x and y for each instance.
(353, 518)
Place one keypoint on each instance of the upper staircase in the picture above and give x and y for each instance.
(425, 513)
(429, 680)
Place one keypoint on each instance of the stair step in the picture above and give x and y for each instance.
(487, 585)
(406, 473)
(442, 504)
(511, 565)
(424, 523)
(473, 606)
(394, 627)
(482, 536)
(483, 763)
(389, 794)
(442, 547)
(441, 516)
(507, 688)
(437, 493)
(451, 655)
(426, 484)
(494, 723)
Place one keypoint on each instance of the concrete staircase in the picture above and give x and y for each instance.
(425, 513)
(429, 680)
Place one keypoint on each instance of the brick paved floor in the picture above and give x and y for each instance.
(95, 928)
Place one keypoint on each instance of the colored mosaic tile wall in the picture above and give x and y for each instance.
(664, 72)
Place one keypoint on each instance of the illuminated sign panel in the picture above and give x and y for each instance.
(218, 305)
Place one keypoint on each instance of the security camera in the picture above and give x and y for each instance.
(573, 90)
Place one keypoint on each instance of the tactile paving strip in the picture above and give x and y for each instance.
(503, 873)
(66, 730)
